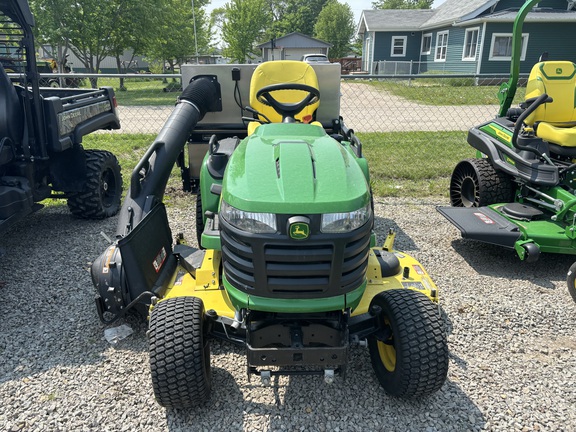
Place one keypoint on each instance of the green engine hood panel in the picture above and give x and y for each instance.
(294, 168)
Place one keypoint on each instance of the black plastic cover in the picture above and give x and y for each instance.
(147, 252)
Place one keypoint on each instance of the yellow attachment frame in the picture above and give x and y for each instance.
(204, 282)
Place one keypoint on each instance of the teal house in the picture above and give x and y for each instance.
(468, 37)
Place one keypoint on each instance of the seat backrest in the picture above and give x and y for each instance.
(558, 80)
(11, 114)
(283, 71)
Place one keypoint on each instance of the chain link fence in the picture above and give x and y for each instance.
(416, 124)
(369, 103)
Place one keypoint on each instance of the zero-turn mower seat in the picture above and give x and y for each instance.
(278, 72)
(554, 122)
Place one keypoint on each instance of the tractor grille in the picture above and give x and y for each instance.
(324, 265)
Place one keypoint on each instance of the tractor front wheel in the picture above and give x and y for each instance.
(410, 353)
(475, 183)
(571, 281)
(102, 191)
(179, 353)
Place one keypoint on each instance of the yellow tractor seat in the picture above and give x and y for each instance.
(555, 121)
(279, 72)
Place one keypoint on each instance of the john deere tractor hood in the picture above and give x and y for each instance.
(294, 169)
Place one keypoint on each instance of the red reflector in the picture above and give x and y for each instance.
(115, 102)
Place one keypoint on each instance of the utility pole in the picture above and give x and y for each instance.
(195, 38)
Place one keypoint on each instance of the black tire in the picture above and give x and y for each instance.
(103, 188)
(571, 281)
(532, 252)
(199, 219)
(179, 353)
(413, 361)
(475, 183)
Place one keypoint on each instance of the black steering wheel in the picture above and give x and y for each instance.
(286, 109)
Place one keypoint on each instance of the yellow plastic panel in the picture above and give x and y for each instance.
(278, 72)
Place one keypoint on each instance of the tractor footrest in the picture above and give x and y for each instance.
(482, 224)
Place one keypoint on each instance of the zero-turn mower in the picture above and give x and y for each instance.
(519, 193)
(287, 265)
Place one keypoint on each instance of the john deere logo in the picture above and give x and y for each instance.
(558, 71)
(299, 231)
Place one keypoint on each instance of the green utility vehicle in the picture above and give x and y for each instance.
(287, 264)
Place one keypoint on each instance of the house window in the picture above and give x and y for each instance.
(470, 44)
(501, 47)
(441, 46)
(398, 46)
(426, 43)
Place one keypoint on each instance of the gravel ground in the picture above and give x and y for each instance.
(511, 339)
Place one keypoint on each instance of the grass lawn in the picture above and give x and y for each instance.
(413, 164)
(410, 164)
(435, 91)
(142, 91)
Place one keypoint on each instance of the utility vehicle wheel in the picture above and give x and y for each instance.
(571, 280)
(476, 183)
(103, 189)
(199, 219)
(410, 353)
(179, 353)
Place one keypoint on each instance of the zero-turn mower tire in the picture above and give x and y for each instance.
(179, 353)
(571, 281)
(413, 361)
(475, 183)
(102, 193)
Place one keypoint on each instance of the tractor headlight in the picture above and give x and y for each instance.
(346, 221)
(256, 223)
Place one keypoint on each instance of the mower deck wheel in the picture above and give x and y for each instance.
(413, 361)
(180, 353)
(571, 281)
(475, 183)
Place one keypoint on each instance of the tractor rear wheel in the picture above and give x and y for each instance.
(102, 191)
(179, 353)
(410, 353)
(571, 281)
(475, 183)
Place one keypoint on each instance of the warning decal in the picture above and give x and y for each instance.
(484, 218)
(159, 260)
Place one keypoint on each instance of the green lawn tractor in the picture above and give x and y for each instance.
(519, 193)
(287, 265)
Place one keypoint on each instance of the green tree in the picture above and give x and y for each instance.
(293, 16)
(83, 26)
(172, 40)
(402, 4)
(243, 25)
(336, 25)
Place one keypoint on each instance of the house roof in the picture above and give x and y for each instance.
(295, 39)
(393, 19)
(453, 11)
(540, 15)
